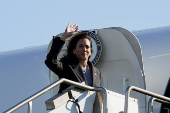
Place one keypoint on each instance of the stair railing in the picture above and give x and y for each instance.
(51, 86)
(127, 95)
(150, 103)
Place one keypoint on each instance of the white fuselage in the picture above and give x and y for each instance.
(23, 72)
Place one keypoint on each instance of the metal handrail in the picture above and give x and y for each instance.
(150, 103)
(49, 87)
(127, 94)
(30, 107)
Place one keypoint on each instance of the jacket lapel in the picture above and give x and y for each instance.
(78, 71)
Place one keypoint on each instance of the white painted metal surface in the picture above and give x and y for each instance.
(119, 60)
(115, 104)
(85, 100)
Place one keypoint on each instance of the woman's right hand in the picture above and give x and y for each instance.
(70, 30)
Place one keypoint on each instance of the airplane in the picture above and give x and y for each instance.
(23, 71)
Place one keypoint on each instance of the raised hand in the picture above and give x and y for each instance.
(70, 30)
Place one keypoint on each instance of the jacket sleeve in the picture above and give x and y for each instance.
(53, 64)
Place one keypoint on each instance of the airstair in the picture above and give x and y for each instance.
(90, 100)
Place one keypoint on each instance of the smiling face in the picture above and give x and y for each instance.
(83, 50)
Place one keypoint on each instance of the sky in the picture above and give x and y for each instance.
(32, 23)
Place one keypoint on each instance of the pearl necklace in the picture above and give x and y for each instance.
(85, 68)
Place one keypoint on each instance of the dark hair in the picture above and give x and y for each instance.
(73, 42)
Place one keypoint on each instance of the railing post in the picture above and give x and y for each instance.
(30, 107)
(105, 109)
(150, 105)
(159, 98)
(124, 84)
(127, 94)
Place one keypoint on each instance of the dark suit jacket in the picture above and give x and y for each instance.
(69, 68)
